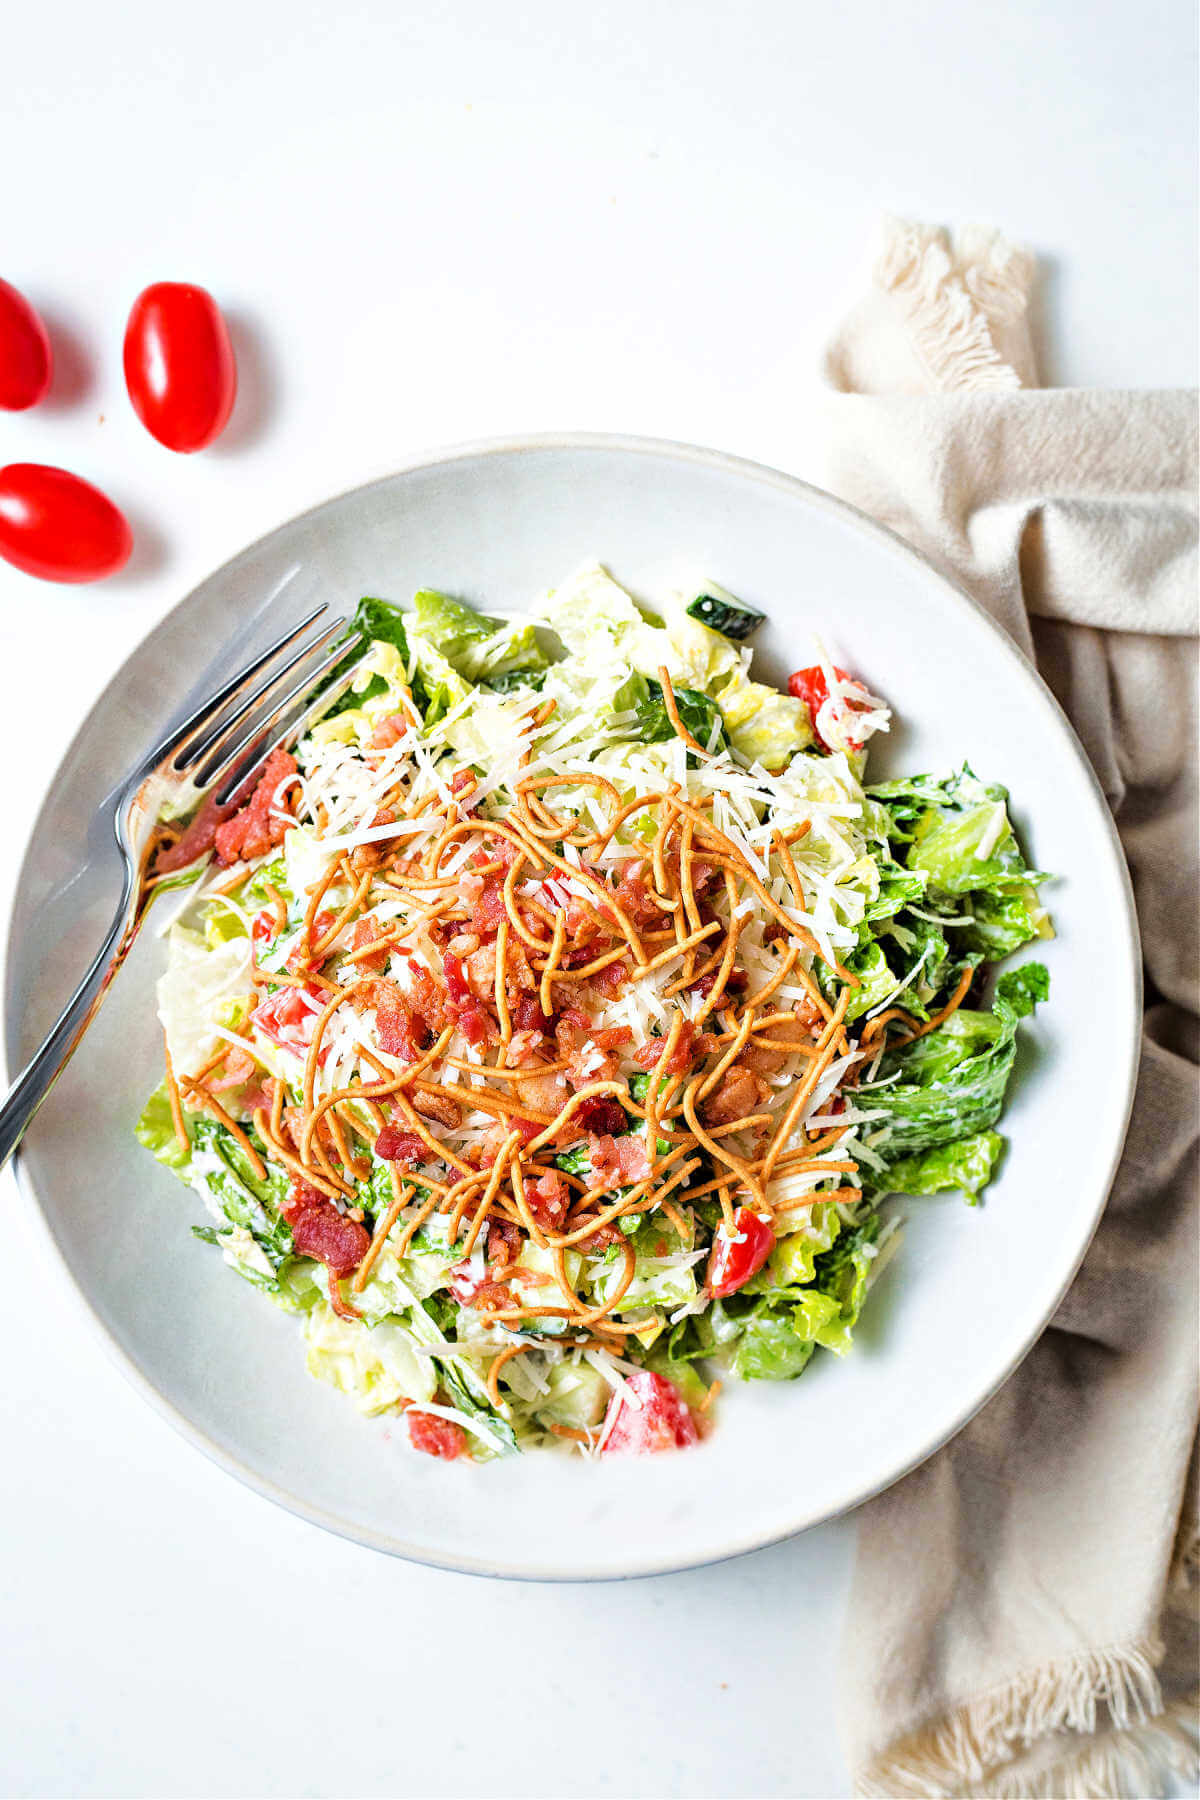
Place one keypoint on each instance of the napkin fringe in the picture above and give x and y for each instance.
(947, 301)
(1122, 1765)
(974, 1743)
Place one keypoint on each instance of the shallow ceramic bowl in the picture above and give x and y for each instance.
(953, 1313)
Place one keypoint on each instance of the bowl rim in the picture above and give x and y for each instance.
(744, 469)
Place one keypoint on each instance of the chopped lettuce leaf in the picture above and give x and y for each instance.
(764, 725)
(968, 1164)
(155, 1130)
(199, 979)
(951, 1083)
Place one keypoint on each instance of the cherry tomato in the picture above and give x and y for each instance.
(436, 1437)
(179, 365)
(26, 360)
(735, 1258)
(58, 527)
(662, 1423)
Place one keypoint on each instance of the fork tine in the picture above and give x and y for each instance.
(215, 742)
(241, 764)
(180, 739)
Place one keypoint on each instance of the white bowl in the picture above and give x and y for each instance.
(971, 1289)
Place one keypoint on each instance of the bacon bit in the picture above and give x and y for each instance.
(737, 982)
(319, 1230)
(197, 840)
(738, 1094)
(239, 1066)
(258, 827)
(633, 894)
(366, 931)
(611, 979)
(691, 1046)
(404, 1147)
(401, 1033)
(602, 1115)
(434, 1436)
(489, 908)
(612, 1037)
(441, 1107)
(549, 1201)
(481, 972)
(528, 1015)
(504, 1241)
(617, 1161)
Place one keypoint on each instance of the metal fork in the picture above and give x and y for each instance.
(218, 751)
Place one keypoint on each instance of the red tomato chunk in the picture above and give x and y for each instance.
(735, 1258)
(663, 1423)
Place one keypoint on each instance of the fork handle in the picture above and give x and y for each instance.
(44, 1067)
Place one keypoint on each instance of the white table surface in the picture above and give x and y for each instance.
(430, 223)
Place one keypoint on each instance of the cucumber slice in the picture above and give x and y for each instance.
(721, 612)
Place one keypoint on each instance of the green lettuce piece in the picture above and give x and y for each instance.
(514, 650)
(437, 685)
(1001, 923)
(461, 1395)
(962, 851)
(513, 681)
(764, 725)
(968, 1164)
(959, 836)
(898, 888)
(377, 619)
(652, 723)
(155, 1130)
(451, 626)
(951, 1083)
(248, 1202)
(378, 1367)
(770, 1348)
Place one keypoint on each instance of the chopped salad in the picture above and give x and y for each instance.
(547, 1029)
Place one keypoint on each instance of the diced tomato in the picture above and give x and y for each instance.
(394, 1145)
(300, 957)
(602, 1114)
(662, 1423)
(287, 1017)
(811, 686)
(436, 1437)
(259, 826)
(263, 930)
(735, 1258)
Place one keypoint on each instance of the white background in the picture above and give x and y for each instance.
(428, 224)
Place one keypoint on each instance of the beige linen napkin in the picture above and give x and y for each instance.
(1020, 1623)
